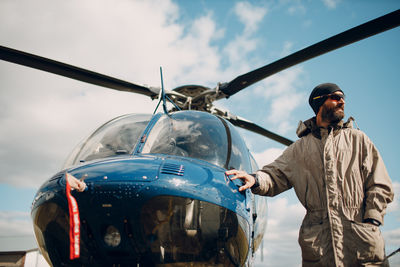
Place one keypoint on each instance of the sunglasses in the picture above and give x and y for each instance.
(335, 97)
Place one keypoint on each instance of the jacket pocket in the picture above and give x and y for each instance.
(310, 241)
(368, 242)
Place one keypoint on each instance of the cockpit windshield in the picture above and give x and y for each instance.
(198, 135)
(192, 134)
(189, 134)
(116, 137)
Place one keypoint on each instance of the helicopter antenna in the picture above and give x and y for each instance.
(163, 97)
(163, 93)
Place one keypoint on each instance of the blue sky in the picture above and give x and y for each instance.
(196, 42)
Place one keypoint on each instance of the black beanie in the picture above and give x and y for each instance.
(320, 90)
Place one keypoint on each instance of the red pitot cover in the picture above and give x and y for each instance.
(74, 224)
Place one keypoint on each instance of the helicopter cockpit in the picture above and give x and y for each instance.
(190, 134)
(198, 135)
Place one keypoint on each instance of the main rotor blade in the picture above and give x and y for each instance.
(56, 67)
(355, 34)
(248, 125)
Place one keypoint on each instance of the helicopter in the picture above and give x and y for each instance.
(157, 193)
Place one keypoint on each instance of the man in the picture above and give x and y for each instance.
(341, 180)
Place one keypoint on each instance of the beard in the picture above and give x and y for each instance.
(332, 115)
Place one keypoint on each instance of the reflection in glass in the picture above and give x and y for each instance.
(117, 137)
(112, 236)
(182, 230)
(190, 134)
(239, 158)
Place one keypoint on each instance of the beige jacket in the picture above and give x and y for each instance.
(340, 178)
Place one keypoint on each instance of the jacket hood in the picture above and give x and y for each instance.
(310, 126)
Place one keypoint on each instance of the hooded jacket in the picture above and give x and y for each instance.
(340, 179)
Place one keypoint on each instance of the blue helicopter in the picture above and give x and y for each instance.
(156, 190)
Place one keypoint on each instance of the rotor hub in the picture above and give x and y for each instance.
(193, 97)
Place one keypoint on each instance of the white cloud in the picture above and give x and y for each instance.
(280, 240)
(283, 92)
(287, 48)
(392, 241)
(239, 48)
(293, 7)
(16, 231)
(283, 106)
(15, 223)
(394, 207)
(331, 4)
(197, 59)
(283, 83)
(307, 23)
(250, 15)
(392, 237)
(297, 8)
(267, 156)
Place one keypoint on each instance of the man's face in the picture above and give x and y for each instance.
(332, 110)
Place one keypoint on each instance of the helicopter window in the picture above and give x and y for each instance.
(189, 134)
(116, 137)
(199, 135)
(239, 158)
(254, 165)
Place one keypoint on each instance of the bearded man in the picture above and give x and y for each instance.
(340, 179)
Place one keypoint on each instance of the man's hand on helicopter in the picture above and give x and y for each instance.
(248, 179)
(75, 183)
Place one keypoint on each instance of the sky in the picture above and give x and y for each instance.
(43, 116)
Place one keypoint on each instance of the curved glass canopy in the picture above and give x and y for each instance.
(201, 136)
(116, 137)
(190, 134)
